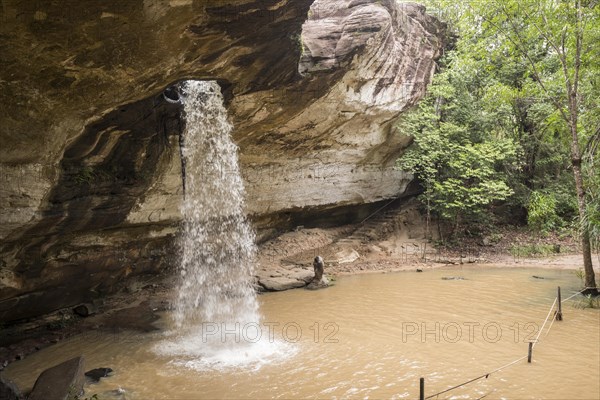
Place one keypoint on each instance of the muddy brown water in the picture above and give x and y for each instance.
(369, 336)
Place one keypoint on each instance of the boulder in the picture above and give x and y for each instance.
(8, 389)
(320, 284)
(96, 374)
(301, 275)
(281, 283)
(345, 256)
(61, 382)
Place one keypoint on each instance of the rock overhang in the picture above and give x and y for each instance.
(91, 171)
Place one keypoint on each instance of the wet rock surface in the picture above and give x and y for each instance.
(61, 382)
(94, 375)
(319, 281)
(8, 389)
(280, 283)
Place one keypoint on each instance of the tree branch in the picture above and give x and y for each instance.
(520, 45)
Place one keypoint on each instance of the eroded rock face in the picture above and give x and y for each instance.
(330, 138)
(90, 169)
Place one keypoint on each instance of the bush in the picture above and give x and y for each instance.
(541, 212)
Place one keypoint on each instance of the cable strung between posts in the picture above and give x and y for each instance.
(476, 379)
(510, 363)
(517, 360)
(545, 321)
(584, 289)
(568, 298)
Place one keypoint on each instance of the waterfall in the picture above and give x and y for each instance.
(218, 245)
(217, 320)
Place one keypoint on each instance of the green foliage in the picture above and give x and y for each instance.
(588, 301)
(511, 76)
(85, 175)
(580, 273)
(541, 214)
(591, 220)
(533, 250)
(460, 153)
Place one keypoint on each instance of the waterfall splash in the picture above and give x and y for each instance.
(216, 316)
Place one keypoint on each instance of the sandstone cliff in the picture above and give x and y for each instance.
(90, 172)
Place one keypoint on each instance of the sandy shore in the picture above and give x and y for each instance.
(286, 260)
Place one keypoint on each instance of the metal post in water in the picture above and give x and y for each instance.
(559, 312)
(422, 389)
(529, 352)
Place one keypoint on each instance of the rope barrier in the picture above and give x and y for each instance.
(582, 290)
(550, 327)
(568, 298)
(478, 378)
(545, 321)
(486, 375)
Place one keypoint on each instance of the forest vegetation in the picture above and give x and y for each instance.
(510, 129)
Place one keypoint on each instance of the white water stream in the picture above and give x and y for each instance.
(216, 317)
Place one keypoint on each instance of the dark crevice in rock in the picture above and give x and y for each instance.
(270, 225)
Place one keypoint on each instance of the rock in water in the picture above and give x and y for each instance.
(61, 382)
(319, 266)
(277, 284)
(8, 389)
(97, 373)
(320, 280)
(115, 394)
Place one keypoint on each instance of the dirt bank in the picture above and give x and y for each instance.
(394, 240)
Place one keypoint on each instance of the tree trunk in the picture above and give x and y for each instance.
(586, 247)
(572, 92)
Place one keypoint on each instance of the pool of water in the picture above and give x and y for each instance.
(369, 336)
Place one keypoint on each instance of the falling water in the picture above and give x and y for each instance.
(217, 248)
(216, 303)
